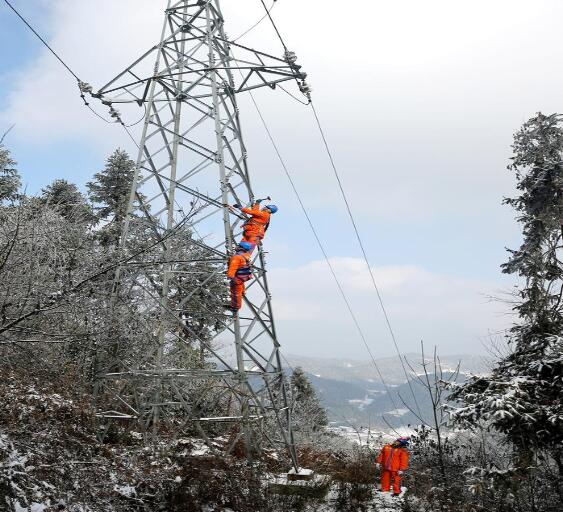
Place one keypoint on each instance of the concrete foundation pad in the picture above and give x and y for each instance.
(300, 474)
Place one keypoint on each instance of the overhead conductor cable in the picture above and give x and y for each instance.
(356, 231)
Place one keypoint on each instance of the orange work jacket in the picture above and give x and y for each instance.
(258, 221)
(393, 459)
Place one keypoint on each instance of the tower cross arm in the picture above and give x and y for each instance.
(182, 64)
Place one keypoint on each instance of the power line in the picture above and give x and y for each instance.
(131, 136)
(287, 54)
(292, 95)
(274, 24)
(361, 244)
(323, 250)
(42, 40)
(87, 105)
(68, 68)
(321, 247)
(329, 153)
(6, 133)
(256, 24)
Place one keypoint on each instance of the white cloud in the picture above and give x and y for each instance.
(96, 43)
(451, 312)
(416, 107)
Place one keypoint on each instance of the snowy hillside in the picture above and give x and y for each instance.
(353, 394)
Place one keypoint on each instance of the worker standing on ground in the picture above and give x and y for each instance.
(254, 229)
(238, 272)
(393, 460)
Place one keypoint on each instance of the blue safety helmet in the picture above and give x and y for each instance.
(272, 207)
(402, 441)
(245, 246)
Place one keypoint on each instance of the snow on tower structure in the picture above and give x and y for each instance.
(192, 163)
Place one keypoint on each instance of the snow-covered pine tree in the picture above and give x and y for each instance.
(65, 198)
(522, 397)
(110, 191)
(308, 413)
(9, 178)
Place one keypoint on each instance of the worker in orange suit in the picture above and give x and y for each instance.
(238, 272)
(393, 460)
(254, 229)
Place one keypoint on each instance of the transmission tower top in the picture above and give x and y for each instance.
(187, 23)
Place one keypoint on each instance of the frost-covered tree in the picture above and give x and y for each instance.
(308, 413)
(9, 178)
(65, 198)
(522, 397)
(109, 190)
(49, 268)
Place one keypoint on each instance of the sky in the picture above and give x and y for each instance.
(419, 102)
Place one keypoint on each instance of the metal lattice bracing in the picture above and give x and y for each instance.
(192, 163)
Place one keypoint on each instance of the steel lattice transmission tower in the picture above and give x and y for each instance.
(192, 158)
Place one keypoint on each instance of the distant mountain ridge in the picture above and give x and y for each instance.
(353, 394)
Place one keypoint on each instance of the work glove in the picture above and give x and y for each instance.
(377, 465)
(399, 473)
(237, 205)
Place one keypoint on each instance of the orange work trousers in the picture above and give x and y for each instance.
(388, 478)
(237, 291)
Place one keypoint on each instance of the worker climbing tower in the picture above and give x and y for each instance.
(192, 164)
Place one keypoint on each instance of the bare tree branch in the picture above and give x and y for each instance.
(6, 133)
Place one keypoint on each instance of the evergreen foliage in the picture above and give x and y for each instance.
(9, 178)
(308, 413)
(521, 398)
(110, 191)
(65, 197)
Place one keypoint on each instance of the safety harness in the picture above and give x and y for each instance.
(245, 272)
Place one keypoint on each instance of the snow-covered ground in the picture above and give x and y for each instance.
(381, 502)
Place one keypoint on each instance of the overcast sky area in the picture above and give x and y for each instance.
(419, 101)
